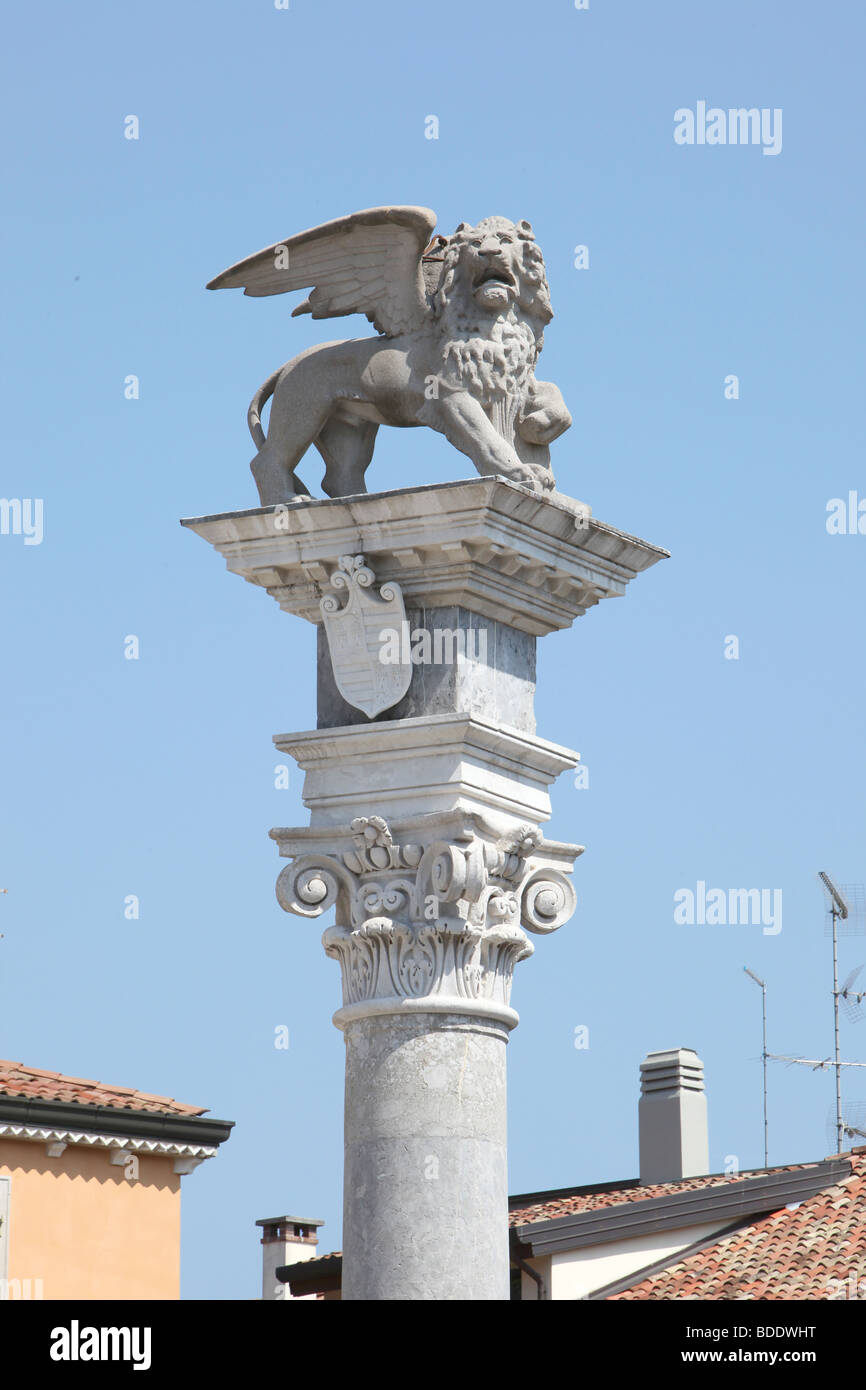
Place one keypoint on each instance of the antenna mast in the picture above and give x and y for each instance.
(847, 905)
(764, 1055)
(838, 909)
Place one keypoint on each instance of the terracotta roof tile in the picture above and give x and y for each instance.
(33, 1082)
(570, 1202)
(792, 1254)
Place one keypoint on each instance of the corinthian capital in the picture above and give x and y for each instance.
(431, 913)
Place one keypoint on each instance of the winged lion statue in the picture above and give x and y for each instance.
(460, 323)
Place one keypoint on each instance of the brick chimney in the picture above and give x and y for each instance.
(672, 1116)
(285, 1240)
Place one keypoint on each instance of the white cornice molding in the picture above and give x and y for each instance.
(116, 1143)
(483, 544)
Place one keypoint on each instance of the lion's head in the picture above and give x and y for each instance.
(493, 267)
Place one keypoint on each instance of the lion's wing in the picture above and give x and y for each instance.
(366, 263)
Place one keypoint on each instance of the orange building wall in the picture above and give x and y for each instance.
(85, 1230)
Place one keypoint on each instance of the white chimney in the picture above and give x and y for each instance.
(672, 1117)
(285, 1241)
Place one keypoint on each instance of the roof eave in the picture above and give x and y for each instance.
(109, 1119)
(722, 1202)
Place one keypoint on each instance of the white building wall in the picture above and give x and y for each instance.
(576, 1273)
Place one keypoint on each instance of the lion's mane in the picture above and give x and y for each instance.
(493, 357)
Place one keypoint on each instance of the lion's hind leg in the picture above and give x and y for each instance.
(347, 448)
(275, 483)
(301, 404)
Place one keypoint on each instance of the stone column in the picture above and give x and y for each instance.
(432, 913)
(427, 787)
(425, 1191)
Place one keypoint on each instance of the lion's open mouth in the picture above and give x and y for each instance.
(494, 277)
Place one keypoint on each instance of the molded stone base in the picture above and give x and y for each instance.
(439, 762)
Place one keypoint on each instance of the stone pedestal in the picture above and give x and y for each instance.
(424, 833)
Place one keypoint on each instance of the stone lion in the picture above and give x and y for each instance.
(460, 326)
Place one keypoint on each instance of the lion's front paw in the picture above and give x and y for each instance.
(528, 477)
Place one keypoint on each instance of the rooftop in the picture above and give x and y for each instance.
(35, 1084)
(795, 1253)
(526, 1208)
(788, 1232)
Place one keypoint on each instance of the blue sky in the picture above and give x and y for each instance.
(155, 777)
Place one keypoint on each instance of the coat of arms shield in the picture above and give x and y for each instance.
(355, 638)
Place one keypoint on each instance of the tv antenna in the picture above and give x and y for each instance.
(853, 1119)
(839, 912)
(852, 1001)
(816, 1063)
(846, 907)
(764, 1053)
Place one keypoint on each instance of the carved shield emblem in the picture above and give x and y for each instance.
(365, 676)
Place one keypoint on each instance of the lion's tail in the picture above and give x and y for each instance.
(257, 405)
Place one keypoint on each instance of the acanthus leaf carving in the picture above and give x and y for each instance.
(442, 920)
